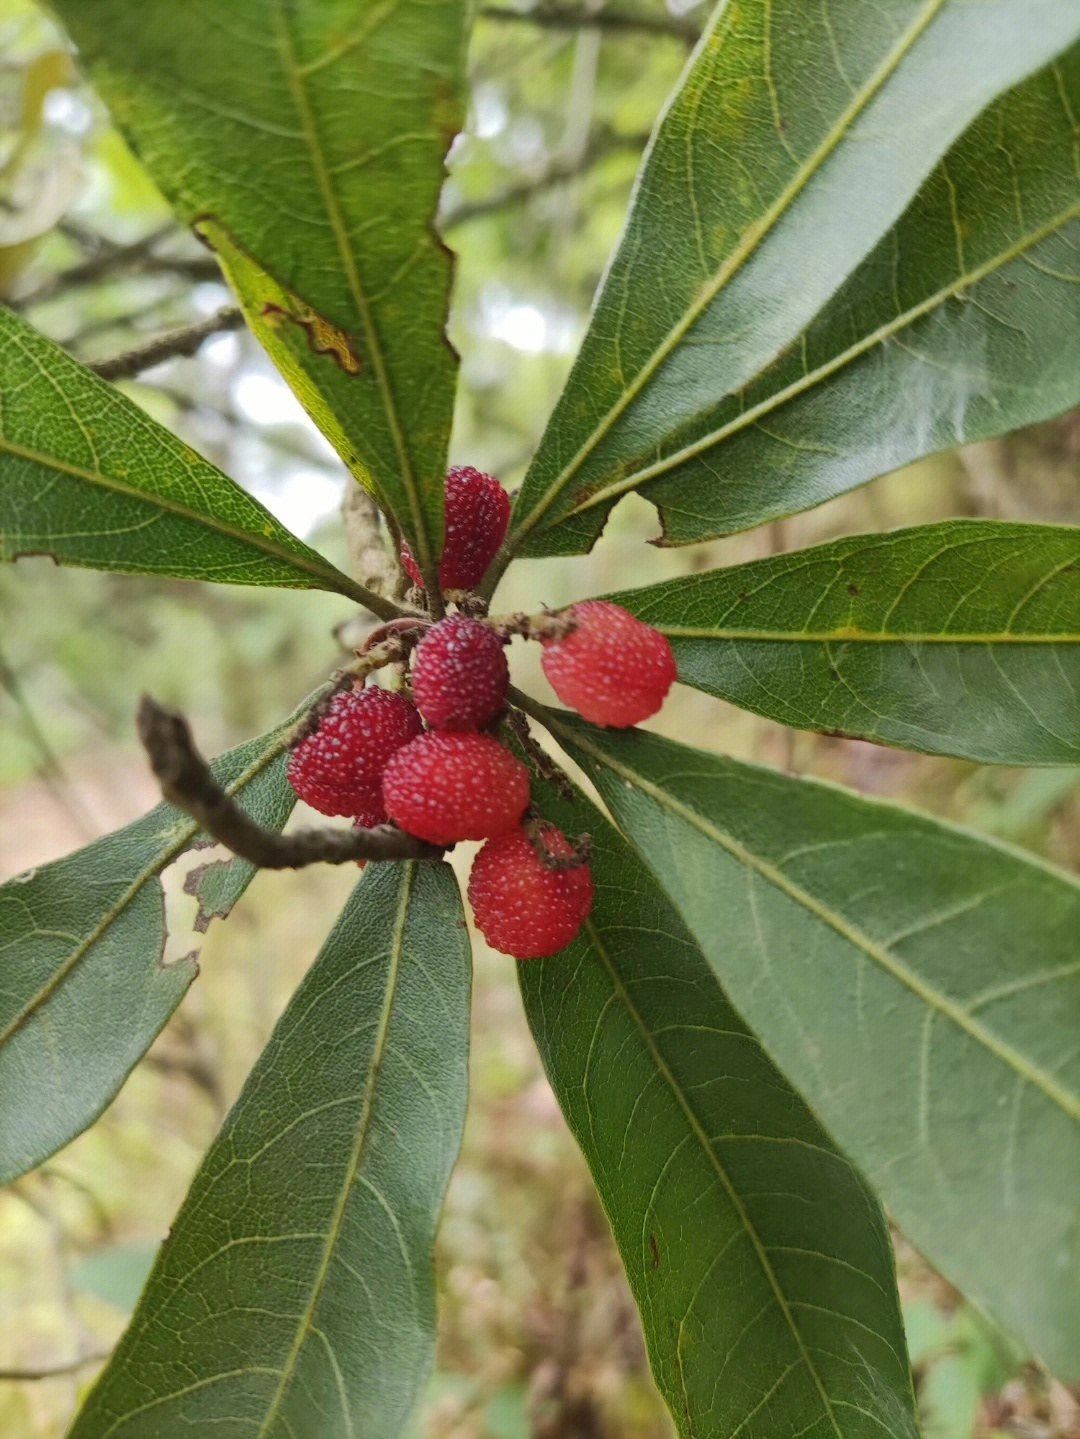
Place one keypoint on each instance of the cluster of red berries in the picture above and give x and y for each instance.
(370, 756)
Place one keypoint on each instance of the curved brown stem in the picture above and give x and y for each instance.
(187, 783)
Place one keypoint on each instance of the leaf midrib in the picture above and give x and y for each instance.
(352, 1168)
(824, 372)
(714, 1160)
(296, 76)
(854, 635)
(325, 572)
(752, 237)
(940, 1003)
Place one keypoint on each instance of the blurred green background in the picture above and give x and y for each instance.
(538, 1335)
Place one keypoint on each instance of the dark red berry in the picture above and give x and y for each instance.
(450, 785)
(522, 908)
(613, 668)
(459, 674)
(476, 511)
(338, 768)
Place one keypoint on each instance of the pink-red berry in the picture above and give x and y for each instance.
(613, 668)
(459, 674)
(476, 511)
(338, 769)
(455, 784)
(522, 908)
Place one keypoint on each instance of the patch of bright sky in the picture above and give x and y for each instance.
(489, 113)
(300, 496)
(526, 325)
(67, 111)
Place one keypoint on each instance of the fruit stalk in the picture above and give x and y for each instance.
(187, 783)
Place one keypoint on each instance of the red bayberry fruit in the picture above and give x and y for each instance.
(459, 675)
(522, 908)
(613, 668)
(450, 785)
(338, 768)
(476, 511)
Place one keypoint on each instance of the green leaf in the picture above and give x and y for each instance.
(957, 638)
(918, 985)
(743, 361)
(85, 992)
(759, 1259)
(89, 479)
(305, 141)
(294, 1296)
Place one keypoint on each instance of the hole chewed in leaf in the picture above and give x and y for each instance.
(212, 886)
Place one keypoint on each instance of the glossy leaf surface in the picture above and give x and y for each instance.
(305, 142)
(84, 990)
(918, 985)
(775, 328)
(294, 1296)
(958, 638)
(88, 478)
(759, 1259)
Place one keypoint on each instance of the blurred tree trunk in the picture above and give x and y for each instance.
(1031, 474)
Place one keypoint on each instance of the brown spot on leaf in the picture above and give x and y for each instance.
(655, 1249)
(323, 337)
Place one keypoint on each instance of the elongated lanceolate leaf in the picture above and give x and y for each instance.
(959, 638)
(740, 364)
(83, 991)
(304, 140)
(88, 478)
(918, 985)
(294, 1297)
(759, 1259)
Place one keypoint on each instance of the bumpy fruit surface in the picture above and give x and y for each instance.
(459, 674)
(476, 511)
(338, 769)
(522, 908)
(613, 669)
(450, 785)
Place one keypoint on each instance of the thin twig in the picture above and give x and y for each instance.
(571, 17)
(547, 625)
(544, 764)
(53, 1371)
(604, 142)
(169, 346)
(109, 258)
(187, 783)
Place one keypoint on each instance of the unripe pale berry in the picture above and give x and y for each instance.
(476, 511)
(522, 908)
(450, 785)
(459, 674)
(338, 768)
(613, 668)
